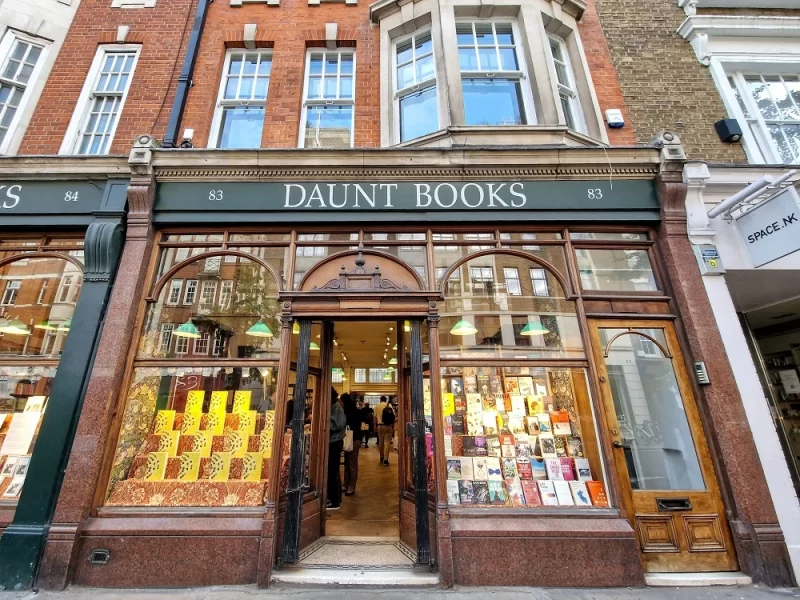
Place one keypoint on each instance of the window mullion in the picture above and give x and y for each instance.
(768, 150)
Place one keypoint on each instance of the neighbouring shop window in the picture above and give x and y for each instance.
(239, 116)
(520, 437)
(22, 58)
(415, 87)
(615, 270)
(491, 74)
(200, 433)
(35, 319)
(329, 100)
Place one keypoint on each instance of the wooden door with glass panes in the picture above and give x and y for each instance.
(669, 487)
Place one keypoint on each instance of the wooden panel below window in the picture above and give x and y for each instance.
(657, 533)
(703, 533)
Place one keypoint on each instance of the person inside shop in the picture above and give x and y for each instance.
(338, 426)
(353, 416)
(385, 418)
(368, 427)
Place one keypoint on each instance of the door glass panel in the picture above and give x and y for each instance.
(657, 441)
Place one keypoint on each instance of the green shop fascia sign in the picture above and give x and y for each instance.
(407, 200)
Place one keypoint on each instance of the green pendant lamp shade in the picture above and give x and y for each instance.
(390, 370)
(260, 329)
(64, 327)
(393, 361)
(534, 328)
(187, 330)
(46, 325)
(314, 346)
(14, 327)
(387, 376)
(463, 327)
(394, 347)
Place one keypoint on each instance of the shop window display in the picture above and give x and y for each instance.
(38, 295)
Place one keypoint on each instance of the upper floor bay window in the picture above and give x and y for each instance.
(239, 116)
(416, 104)
(21, 57)
(491, 74)
(328, 100)
(567, 90)
(101, 102)
(770, 112)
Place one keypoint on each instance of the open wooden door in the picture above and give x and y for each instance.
(670, 489)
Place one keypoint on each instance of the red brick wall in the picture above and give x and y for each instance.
(290, 29)
(162, 32)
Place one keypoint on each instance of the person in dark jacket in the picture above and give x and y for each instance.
(335, 443)
(368, 417)
(353, 416)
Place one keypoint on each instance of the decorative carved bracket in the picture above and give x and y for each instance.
(358, 280)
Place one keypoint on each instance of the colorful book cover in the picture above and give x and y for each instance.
(500, 402)
(515, 493)
(549, 404)
(524, 470)
(494, 384)
(219, 402)
(553, 466)
(547, 445)
(194, 402)
(470, 383)
(561, 445)
(547, 493)
(220, 466)
(453, 493)
(518, 404)
(467, 471)
(597, 492)
(448, 425)
(216, 422)
(580, 494)
(480, 469)
(241, 401)
(560, 422)
(497, 493)
(481, 491)
(448, 404)
(544, 423)
(493, 446)
(488, 401)
(582, 469)
(490, 422)
(531, 491)
(189, 469)
(567, 472)
(168, 442)
(237, 444)
(509, 466)
(563, 493)
(508, 451)
(448, 445)
(468, 445)
(574, 446)
(459, 424)
(538, 468)
(14, 488)
(493, 469)
(481, 448)
(507, 440)
(156, 466)
(165, 419)
(35, 404)
(247, 422)
(532, 425)
(190, 423)
(202, 443)
(511, 385)
(458, 445)
(535, 405)
(525, 386)
(251, 466)
(454, 468)
(516, 423)
(523, 448)
(466, 492)
(265, 442)
(429, 444)
(457, 386)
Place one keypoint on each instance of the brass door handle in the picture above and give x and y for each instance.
(617, 444)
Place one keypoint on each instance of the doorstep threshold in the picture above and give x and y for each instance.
(697, 579)
(411, 577)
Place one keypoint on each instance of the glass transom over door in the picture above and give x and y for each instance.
(669, 488)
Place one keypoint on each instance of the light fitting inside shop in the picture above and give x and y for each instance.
(463, 327)
(14, 327)
(534, 328)
(260, 329)
(187, 330)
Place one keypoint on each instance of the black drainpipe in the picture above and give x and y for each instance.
(185, 79)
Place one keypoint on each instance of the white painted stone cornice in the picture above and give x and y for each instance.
(383, 8)
(64, 167)
(691, 6)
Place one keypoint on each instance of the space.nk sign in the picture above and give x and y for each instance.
(772, 229)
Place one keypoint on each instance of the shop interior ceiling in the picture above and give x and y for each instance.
(768, 297)
(364, 343)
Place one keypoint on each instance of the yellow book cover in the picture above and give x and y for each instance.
(265, 442)
(237, 444)
(156, 466)
(269, 420)
(216, 422)
(241, 401)
(165, 419)
(251, 466)
(247, 422)
(448, 404)
(194, 402)
(220, 466)
(535, 405)
(168, 442)
(191, 423)
(190, 466)
(202, 443)
(219, 402)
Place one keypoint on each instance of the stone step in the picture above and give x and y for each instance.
(696, 579)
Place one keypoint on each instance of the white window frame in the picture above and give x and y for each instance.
(515, 277)
(11, 292)
(80, 116)
(223, 103)
(166, 330)
(175, 286)
(181, 345)
(226, 294)
(63, 293)
(522, 74)
(327, 101)
(6, 45)
(218, 347)
(757, 145)
(202, 301)
(191, 286)
(202, 344)
(399, 94)
(42, 292)
(534, 271)
(570, 88)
